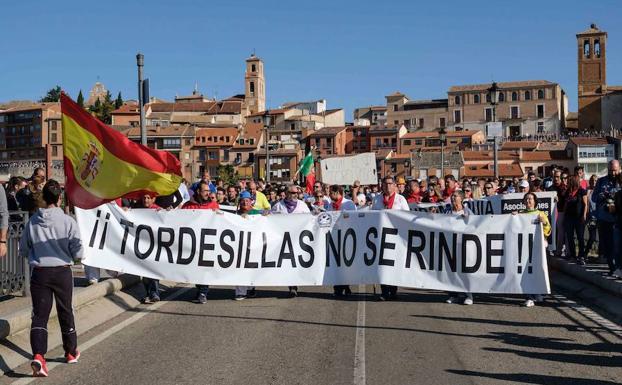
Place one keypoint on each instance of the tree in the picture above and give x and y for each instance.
(227, 174)
(80, 99)
(119, 102)
(53, 95)
(102, 110)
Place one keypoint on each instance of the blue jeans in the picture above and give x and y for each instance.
(608, 237)
(203, 289)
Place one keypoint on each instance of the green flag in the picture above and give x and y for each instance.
(307, 164)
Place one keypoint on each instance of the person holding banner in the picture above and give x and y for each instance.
(530, 201)
(51, 242)
(458, 208)
(246, 208)
(389, 200)
(291, 205)
(340, 203)
(201, 201)
(152, 286)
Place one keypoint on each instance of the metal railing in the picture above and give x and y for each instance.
(14, 270)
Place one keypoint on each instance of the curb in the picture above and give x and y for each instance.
(20, 320)
(579, 272)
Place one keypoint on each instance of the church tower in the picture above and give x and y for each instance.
(255, 87)
(592, 71)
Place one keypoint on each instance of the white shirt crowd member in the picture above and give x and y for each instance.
(389, 200)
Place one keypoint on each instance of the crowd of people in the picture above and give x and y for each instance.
(593, 205)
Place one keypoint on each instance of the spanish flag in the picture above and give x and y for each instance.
(101, 164)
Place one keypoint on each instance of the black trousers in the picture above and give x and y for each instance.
(388, 290)
(45, 283)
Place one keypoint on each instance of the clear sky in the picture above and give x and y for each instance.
(351, 53)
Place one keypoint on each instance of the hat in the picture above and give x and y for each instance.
(401, 180)
(245, 195)
(523, 183)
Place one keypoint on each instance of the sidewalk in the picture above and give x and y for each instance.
(15, 311)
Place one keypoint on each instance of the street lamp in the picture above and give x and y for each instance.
(442, 134)
(266, 125)
(140, 62)
(493, 91)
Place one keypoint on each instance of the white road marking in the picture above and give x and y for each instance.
(359, 344)
(613, 328)
(102, 336)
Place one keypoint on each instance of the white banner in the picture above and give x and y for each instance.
(501, 204)
(344, 170)
(479, 254)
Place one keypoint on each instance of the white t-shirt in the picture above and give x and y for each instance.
(346, 205)
(399, 203)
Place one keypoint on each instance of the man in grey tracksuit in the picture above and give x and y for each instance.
(51, 242)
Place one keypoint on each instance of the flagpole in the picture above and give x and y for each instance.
(140, 61)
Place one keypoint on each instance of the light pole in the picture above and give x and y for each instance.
(493, 91)
(442, 134)
(266, 125)
(140, 62)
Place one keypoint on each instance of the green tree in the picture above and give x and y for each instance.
(53, 95)
(227, 174)
(103, 110)
(80, 99)
(119, 102)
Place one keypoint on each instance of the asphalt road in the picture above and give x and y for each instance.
(315, 339)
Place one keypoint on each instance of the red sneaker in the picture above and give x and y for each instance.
(39, 367)
(72, 358)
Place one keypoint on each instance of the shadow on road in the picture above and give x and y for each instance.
(525, 378)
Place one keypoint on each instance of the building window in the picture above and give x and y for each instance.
(406, 142)
(514, 96)
(488, 98)
(407, 122)
(329, 142)
(457, 116)
(540, 128)
(252, 88)
(253, 68)
(171, 143)
(378, 142)
(396, 122)
(476, 99)
(442, 122)
(457, 100)
(514, 112)
(586, 48)
(488, 114)
(421, 122)
(540, 111)
(54, 137)
(501, 97)
(395, 107)
(241, 142)
(54, 150)
(251, 141)
(540, 94)
(292, 126)
(597, 48)
(527, 95)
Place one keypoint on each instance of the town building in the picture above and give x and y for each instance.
(178, 140)
(98, 91)
(593, 154)
(529, 108)
(426, 115)
(31, 136)
(357, 139)
(600, 104)
(328, 141)
(213, 148)
(430, 140)
(370, 116)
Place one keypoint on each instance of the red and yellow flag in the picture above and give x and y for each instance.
(101, 164)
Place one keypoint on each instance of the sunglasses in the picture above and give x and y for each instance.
(488, 187)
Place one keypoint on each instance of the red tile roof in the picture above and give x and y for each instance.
(435, 134)
(488, 155)
(484, 170)
(524, 144)
(589, 141)
(127, 109)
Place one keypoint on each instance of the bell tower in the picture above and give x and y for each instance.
(255, 87)
(592, 76)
